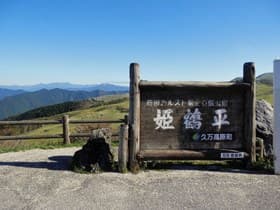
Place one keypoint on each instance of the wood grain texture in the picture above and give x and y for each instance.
(31, 122)
(181, 138)
(145, 83)
(250, 109)
(184, 154)
(66, 130)
(134, 116)
(123, 149)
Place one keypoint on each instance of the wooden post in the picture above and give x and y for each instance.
(276, 137)
(126, 119)
(66, 132)
(250, 109)
(134, 116)
(123, 148)
(260, 147)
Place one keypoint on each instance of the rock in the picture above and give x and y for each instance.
(264, 124)
(95, 155)
(102, 133)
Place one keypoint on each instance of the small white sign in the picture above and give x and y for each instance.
(231, 155)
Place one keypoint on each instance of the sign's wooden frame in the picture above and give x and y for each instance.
(135, 152)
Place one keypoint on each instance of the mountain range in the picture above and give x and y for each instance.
(7, 92)
(19, 99)
(66, 86)
(266, 78)
(16, 104)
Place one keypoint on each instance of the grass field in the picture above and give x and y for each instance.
(265, 92)
(109, 111)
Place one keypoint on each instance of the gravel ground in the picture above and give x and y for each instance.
(39, 179)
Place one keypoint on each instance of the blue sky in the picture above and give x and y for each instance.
(88, 42)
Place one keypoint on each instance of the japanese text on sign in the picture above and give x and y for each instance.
(192, 119)
(190, 103)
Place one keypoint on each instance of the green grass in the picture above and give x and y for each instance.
(265, 92)
(113, 109)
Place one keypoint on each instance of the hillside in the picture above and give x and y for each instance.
(265, 87)
(55, 109)
(14, 105)
(48, 111)
(266, 78)
(111, 108)
(7, 92)
(265, 92)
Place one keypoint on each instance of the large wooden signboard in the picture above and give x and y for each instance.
(192, 120)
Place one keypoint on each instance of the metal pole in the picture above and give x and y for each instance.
(276, 138)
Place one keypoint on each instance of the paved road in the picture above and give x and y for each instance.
(39, 179)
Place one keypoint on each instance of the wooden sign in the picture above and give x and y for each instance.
(191, 120)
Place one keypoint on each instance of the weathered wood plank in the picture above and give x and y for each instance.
(88, 135)
(123, 149)
(95, 121)
(46, 122)
(178, 101)
(145, 83)
(54, 136)
(3, 138)
(66, 130)
(185, 154)
(134, 116)
(31, 122)
(250, 110)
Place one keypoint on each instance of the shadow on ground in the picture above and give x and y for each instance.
(58, 163)
(233, 167)
(63, 163)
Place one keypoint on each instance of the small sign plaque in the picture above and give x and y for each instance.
(236, 155)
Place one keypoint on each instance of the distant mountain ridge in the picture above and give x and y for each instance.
(14, 102)
(55, 109)
(71, 106)
(7, 92)
(265, 78)
(67, 86)
(14, 105)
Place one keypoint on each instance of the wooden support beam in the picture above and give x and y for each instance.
(31, 122)
(197, 84)
(250, 109)
(95, 121)
(134, 116)
(185, 154)
(123, 149)
(66, 130)
(4, 138)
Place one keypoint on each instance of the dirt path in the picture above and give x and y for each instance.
(39, 179)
